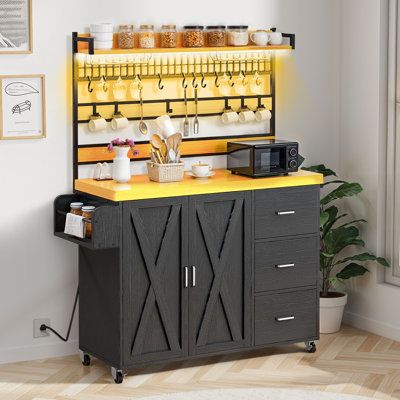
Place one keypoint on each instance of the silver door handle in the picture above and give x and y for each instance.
(289, 212)
(193, 275)
(282, 319)
(186, 277)
(281, 266)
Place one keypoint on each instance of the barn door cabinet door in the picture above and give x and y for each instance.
(154, 295)
(219, 251)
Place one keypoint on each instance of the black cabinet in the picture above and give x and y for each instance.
(183, 277)
(220, 260)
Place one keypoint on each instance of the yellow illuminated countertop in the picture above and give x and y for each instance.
(140, 187)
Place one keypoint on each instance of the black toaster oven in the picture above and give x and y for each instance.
(260, 158)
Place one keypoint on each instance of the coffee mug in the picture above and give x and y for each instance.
(260, 38)
(275, 38)
(229, 116)
(262, 114)
(201, 169)
(119, 90)
(164, 123)
(97, 123)
(246, 115)
(119, 121)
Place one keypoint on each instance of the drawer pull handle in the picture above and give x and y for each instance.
(281, 266)
(186, 277)
(291, 212)
(193, 275)
(283, 319)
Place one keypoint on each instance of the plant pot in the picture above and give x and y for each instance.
(331, 312)
(121, 164)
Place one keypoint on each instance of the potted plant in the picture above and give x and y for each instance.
(121, 162)
(336, 237)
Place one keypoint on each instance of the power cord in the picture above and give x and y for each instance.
(44, 327)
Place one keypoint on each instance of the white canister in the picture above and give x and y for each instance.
(165, 125)
(121, 164)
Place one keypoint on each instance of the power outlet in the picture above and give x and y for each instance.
(37, 323)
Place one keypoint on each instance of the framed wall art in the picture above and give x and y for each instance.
(15, 26)
(22, 107)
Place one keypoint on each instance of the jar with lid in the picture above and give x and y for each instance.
(126, 37)
(193, 36)
(76, 208)
(216, 35)
(147, 37)
(87, 213)
(238, 35)
(168, 36)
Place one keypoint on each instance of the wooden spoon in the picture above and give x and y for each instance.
(156, 141)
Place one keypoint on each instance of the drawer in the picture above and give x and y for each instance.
(284, 212)
(286, 316)
(286, 263)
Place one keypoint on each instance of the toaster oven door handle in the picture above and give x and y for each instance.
(288, 212)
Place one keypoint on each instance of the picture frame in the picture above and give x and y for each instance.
(22, 107)
(16, 30)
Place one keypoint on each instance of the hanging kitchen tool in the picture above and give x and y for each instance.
(142, 125)
(186, 121)
(196, 122)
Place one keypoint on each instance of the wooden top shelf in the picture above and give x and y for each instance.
(140, 187)
(83, 47)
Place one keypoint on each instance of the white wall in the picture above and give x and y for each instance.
(373, 304)
(39, 272)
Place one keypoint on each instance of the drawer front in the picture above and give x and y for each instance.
(285, 316)
(286, 263)
(284, 212)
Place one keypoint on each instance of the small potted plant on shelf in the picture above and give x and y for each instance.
(336, 237)
(121, 163)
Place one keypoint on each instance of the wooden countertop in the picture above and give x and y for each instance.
(140, 187)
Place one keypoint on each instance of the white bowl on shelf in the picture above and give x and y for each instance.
(103, 45)
(104, 27)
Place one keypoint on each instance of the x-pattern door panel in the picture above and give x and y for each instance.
(219, 250)
(156, 301)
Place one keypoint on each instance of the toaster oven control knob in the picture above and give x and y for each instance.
(293, 164)
(293, 152)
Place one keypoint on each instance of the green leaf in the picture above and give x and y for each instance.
(320, 169)
(344, 190)
(323, 219)
(364, 257)
(351, 270)
(339, 238)
(355, 221)
(333, 218)
(301, 159)
(330, 182)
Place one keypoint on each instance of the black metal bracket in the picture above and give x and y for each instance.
(292, 39)
(76, 38)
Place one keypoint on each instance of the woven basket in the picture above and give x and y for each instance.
(165, 172)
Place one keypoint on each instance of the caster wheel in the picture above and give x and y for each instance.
(311, 347)
(85, 358)
(117, 375)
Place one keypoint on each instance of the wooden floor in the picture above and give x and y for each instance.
(352, 361)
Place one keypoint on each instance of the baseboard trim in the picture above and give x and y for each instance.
(37, 352)
(371, 325)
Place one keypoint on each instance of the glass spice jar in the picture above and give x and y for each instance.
(238, 35)
(193, 36)
(76, 208)
(87, 213)
(216, 35)
(126, 37)
(168, 36)
(147, 37)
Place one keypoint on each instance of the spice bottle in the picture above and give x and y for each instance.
(193, 36)
(147, 37)
(216, 36)
(76, 208)
(168, 36)
(87, 213)
(126, 37)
